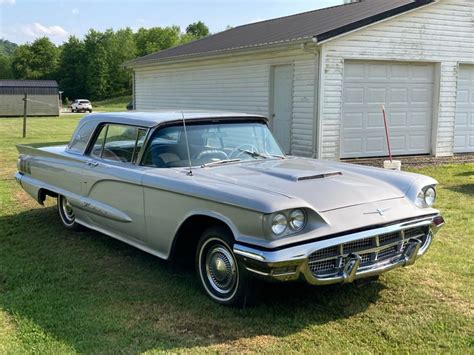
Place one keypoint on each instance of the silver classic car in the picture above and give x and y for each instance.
(216, 187)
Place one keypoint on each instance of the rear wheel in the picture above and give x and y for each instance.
(66, 214)
(221, 277)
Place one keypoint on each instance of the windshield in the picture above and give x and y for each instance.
(210, 143)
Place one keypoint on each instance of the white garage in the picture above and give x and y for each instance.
(464, 126)
(322, 76)
(406, 91)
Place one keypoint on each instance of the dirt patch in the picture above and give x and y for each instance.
(448, 296)
(417, 161)
(23, 199)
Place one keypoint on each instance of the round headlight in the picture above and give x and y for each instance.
(297, 220)
(279, 223)
(430, 196)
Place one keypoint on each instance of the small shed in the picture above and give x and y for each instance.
(43, 97)
(322, 76)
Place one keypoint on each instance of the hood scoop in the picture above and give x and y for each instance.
(318, 176)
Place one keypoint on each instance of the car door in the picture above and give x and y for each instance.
(112, 181)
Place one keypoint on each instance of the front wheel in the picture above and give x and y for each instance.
(66, 214)
(221, 277)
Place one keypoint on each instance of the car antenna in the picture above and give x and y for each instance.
(190, 172)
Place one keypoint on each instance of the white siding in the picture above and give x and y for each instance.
(240, 84)
(439, 33)
(464, 131)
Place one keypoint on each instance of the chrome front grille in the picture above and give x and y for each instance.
(328, 262)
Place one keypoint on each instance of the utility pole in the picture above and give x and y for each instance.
(25, 106)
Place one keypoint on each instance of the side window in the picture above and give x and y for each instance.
(81, 137)
(164, 149)
(141, 134)
(96, 150)
(119, 143)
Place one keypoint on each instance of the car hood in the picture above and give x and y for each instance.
(322, 185)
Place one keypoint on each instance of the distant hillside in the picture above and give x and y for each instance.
(7, 47)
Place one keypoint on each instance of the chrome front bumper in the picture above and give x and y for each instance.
(344, 258)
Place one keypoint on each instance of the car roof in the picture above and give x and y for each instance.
(154, 118)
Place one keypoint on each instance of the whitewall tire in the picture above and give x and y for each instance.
(221, 277)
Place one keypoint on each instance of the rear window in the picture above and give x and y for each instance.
(81, 137)
(84, 102)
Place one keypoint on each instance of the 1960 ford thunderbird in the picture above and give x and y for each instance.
(216, 187)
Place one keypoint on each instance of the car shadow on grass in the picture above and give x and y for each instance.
(93, 293)
(466, 173)
(467, 189)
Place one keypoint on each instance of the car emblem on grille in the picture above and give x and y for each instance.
(380, 211)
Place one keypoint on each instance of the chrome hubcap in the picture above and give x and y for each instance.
(220, 269)
(67, 209)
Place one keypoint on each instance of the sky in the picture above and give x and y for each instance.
(23, 21)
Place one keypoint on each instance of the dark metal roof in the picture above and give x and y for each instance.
(319, 24)
(29, 83)
(153, 118)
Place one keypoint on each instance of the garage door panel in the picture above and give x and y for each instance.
(418, 120)
(422, 73)
(354, 95)
(398, 143)
(422, 96)
(377, 71)
(396, 119)
(376, 96)
(417, 142)
(405, 89)
(355, 72)
(464, 121)
(354, 120)
(374, 145)
(399, 72)
(399, 96)
(463, 96)
(352, 144)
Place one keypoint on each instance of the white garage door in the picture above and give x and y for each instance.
(464, 129)
(406, 90)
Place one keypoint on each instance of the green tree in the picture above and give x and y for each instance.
(38, 60)
(5, 67)
(121, 47)
(156, 39)
(21, 59)
(45, 58)
(96, 71)
(197, 30)
(72, 68)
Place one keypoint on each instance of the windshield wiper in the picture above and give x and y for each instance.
(277, 156)
(254, 154)
(219, 162)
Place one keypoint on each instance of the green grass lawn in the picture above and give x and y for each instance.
(114, 104)
(62, 291)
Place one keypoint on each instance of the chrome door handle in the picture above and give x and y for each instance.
(92, 164)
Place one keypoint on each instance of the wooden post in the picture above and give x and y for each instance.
(25, 99)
